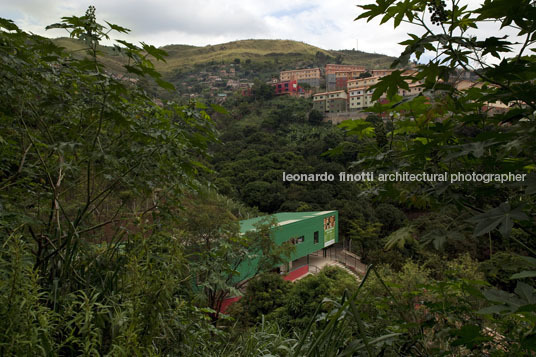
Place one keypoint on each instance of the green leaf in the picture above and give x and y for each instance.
(164, 84)
(494, 309)
(155, 52)
(526, 292)
(400, 238)
(524, 274)
(117, 28)
(469, 336)
(219, 109)
(501, 217)
(389, 84)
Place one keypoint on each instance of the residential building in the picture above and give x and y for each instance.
(362, 82)
(233, 83)
(381, 72)
(331, 102)
(359, 98)
(342, 77)
(414, 89)
(332, 69)
(310, 76)
(288, 88)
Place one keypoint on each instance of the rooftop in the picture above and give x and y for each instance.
(282, 218)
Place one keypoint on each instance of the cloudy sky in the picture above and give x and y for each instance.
(326, 24)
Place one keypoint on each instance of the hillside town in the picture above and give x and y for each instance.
(339, 89)
(336, 90)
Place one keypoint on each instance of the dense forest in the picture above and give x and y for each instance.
(119, 212)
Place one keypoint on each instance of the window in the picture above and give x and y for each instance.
(297, 240)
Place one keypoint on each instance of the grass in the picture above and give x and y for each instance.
(286, 54)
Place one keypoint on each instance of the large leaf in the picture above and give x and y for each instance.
(469, 336)
(524, 274)
(501, 217)
(400, 238)
(389, 84)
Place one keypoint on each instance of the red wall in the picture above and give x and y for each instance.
(340, 83)
(228, 302)
(292, 87)
(293, 275)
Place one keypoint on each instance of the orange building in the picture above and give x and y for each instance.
(310, 76)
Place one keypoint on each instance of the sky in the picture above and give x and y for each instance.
(325, 24)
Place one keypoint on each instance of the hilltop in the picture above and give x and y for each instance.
(280, 54)
(286, 53)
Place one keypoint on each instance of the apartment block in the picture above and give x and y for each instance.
(332, 69)
(414, 89)
(381, 72)
(331, 102)
(362, 82)
(342, 77)
(359, 98)
(310, 76)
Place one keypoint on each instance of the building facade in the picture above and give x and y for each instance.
(341, 78)
(288, 88)
(331, 102)
(308, 232)
(381, 72)
(310, 76)
(331, 70)
(359, 98)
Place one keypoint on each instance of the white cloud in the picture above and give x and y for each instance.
(326, 24)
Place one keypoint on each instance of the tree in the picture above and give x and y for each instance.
(264, 294)
(218, 251)
(315, 117)
(486, 128)
(261, 90)
(91, 174)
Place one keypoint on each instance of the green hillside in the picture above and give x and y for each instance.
(286, 53)
(282, 54)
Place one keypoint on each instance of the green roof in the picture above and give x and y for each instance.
(282, 219)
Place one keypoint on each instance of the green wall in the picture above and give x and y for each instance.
(306, 223)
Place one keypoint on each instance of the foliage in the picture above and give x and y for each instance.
(306, 294)
(364, 236)
(263, 295)
(91, 173)
(487, 127)
(502, 265)
(216, 249)
(315, 117)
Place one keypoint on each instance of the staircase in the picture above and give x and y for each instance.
(342, 266)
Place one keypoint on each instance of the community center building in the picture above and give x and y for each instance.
(309, 232)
